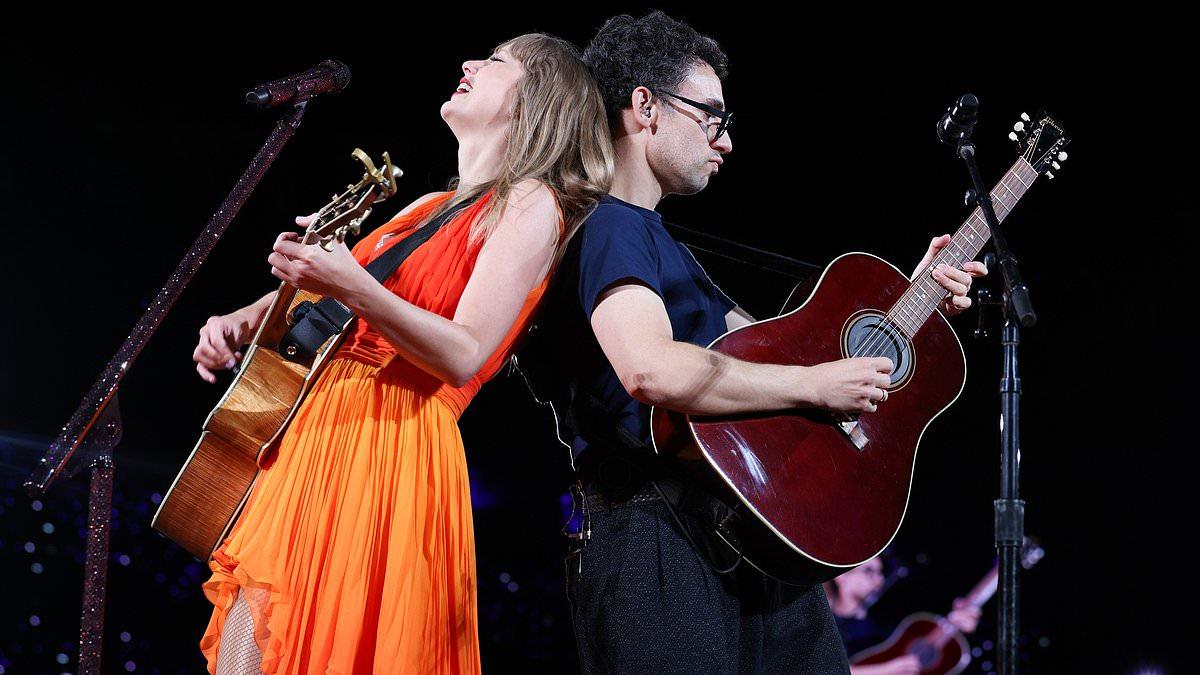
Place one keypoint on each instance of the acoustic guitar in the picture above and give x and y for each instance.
(812, 494)
(937, 643)
(271, 382)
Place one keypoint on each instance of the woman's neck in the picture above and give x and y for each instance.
(479, 159)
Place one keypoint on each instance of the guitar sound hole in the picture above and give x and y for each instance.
(926, 653)
(871, 335)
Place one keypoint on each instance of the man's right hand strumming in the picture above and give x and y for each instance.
(854, 385)
(631, 324)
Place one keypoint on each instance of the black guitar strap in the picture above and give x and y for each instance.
(315, 323)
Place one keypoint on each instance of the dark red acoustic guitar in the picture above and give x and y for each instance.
(937, 644)
(812, 494)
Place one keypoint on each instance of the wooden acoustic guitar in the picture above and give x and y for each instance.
(812, 494)
(937, 643)
(209, 492)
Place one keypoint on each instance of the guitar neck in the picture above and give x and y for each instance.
(274, 325)
(985, 589)
(978, 597)
(921, 299)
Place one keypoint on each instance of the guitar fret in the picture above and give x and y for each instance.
(1015, 172)
(906, 320)
(1008, 202)
(1001, 212)
(901, 316)
(999, 197)
(955, 244)
(923, 300)
(924, 295)
(936, 294)
(972, 234)
(915, 314)
(1017, 176)
(986, 233)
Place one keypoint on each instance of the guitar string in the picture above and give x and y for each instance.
(880, 338)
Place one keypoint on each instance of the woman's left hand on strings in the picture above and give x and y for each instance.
(956, 281)
(311, 268)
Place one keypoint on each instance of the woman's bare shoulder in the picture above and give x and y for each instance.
(421, 201)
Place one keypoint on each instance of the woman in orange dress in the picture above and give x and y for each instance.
(355, 551)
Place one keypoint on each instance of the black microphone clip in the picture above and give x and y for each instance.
(957, 125)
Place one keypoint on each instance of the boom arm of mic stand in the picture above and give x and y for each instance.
(90, 410)
(1014, 285)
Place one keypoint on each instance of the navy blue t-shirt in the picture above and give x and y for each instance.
(622, 243)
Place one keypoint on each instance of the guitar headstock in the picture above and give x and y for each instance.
(1041, 142)
(344, 214)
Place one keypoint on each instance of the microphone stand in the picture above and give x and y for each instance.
(95, 427)
(1009, 509)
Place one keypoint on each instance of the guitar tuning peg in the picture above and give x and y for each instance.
(1012, 136)
(1019, 126)
(1062, 156)
(1049, 175)
(1055, 165)
(1025, 116)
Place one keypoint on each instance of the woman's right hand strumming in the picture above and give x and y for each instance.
(220, 339)
(223, 335)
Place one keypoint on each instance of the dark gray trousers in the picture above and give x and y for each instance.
(643, 601)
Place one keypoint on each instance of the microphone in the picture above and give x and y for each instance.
(328, 76)
(959, 120)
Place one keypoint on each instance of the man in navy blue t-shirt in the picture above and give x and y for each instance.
(625, 328)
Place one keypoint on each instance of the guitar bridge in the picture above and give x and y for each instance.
(853, 431)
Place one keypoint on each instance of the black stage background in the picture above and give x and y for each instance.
(119, 141)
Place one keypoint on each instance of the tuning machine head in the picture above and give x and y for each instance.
(1018, 133)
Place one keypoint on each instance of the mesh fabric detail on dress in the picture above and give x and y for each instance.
(239, 653)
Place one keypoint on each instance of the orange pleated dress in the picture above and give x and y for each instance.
(357, 539)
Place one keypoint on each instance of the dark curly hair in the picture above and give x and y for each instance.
(654, 51)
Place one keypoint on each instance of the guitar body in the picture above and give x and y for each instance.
(240, 433)
(940, 652)
(811, 494)
(208, 494)
(808, 503)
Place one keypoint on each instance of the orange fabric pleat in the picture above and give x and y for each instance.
(359, 526)
(361, 531)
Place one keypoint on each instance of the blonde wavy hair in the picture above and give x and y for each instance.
(558, 135)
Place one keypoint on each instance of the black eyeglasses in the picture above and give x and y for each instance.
(725, 116)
